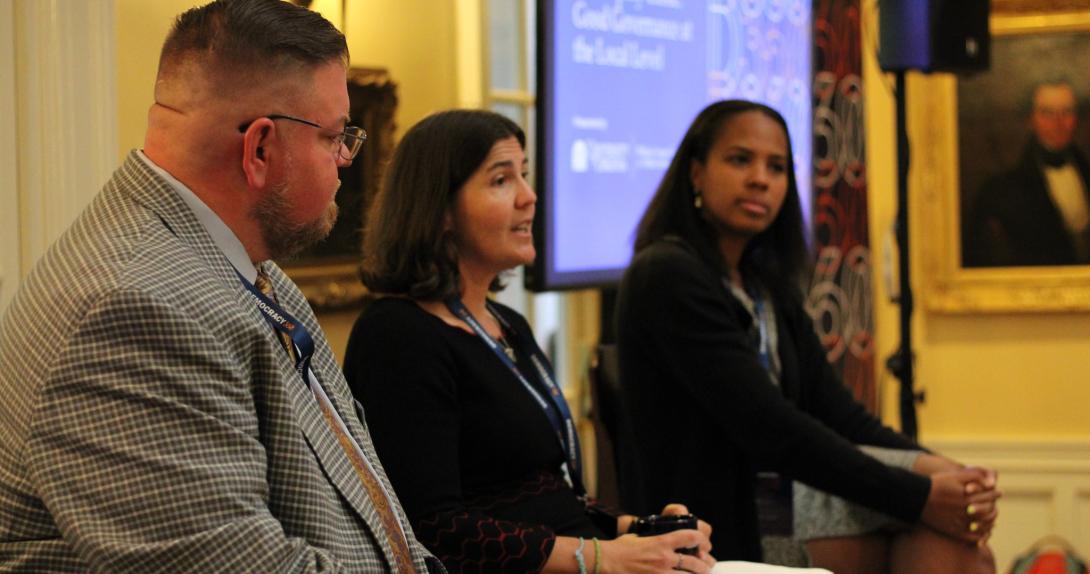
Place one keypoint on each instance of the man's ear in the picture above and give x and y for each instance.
(256, 142)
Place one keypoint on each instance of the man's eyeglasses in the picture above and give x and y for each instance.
(345, 144)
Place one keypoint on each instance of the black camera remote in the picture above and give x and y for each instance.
(656, 524)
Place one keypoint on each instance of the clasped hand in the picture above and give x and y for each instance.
(962, 503)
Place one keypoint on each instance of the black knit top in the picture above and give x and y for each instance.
(472, 457)
(704, 402)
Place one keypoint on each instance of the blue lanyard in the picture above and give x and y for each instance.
(282, 322)
(760, 319)
(764, 353)
(556, 408)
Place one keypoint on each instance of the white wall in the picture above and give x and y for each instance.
(415, 40)
(58, 121)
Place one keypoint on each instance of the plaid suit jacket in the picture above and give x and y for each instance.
(150, 421)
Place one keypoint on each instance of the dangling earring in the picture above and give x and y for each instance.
(698, 199)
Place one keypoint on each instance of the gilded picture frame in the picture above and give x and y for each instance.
(328, 273)
(936, 197)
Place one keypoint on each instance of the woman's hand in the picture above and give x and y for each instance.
(676, 509)
(981, 507)
(928, 464)
(630, 553)
(656, 554)
(991, 478)
(960, 506)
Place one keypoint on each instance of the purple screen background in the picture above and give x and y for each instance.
(627, 78)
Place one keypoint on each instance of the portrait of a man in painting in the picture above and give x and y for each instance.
(1025, 177)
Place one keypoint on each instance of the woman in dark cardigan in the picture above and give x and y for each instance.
(726, 378)
(461, 403)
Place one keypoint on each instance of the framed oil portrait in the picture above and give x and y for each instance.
(976, 150)
(328, 273)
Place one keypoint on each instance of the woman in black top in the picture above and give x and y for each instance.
(720, 364)
(459, 399)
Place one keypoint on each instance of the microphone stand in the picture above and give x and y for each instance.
(900, 363)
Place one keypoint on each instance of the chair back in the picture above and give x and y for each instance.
(617, 477)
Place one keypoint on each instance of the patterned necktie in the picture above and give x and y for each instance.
(395, 535)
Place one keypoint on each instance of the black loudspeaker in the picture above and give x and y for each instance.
(934, 35)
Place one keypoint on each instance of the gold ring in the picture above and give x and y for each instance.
(970, 510)
(974, 526)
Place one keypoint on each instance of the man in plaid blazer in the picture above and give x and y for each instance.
(151, 419)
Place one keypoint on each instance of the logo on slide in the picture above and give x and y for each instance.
(580, 156)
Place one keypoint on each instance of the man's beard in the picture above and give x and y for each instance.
(283, 240)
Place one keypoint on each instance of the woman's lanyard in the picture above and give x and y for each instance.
(772, 492)
(764, 351)
(760, 320)
(558, 413)
(282, 322)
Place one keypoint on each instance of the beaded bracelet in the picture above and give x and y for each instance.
(579, 557)
(597, 555)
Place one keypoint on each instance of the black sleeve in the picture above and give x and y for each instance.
(603, 516)
(825, 397)
(406, 379)
(682, 319)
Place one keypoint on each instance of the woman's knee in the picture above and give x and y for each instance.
(923, 550)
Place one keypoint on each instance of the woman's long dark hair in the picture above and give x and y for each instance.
(407, 250)
(777, 258)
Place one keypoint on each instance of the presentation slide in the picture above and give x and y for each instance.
(620, 82)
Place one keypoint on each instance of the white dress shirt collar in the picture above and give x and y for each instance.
(1065, 186)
